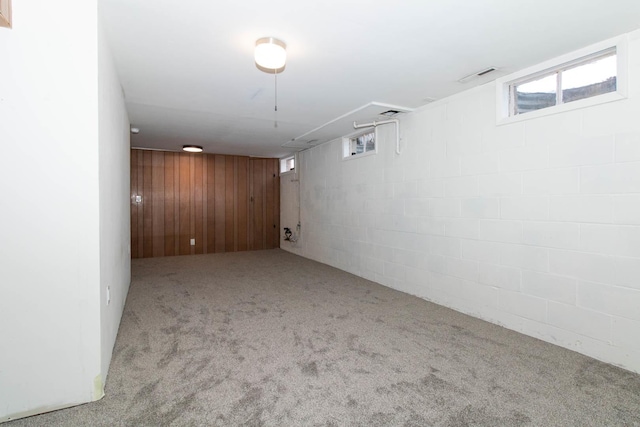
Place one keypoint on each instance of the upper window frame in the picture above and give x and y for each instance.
(568, 61)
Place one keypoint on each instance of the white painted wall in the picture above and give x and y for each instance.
(290, 206)
(114, 174)
(532, 225)
(56, 214)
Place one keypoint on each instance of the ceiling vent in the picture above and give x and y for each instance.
(390, 113)
(477, 74)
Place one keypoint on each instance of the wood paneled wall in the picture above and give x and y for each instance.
(225, 203)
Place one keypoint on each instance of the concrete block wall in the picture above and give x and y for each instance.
(533, 225)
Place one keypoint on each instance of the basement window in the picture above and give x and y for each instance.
(358, 145)
(591, 76)
(588, 77)
(287, 164)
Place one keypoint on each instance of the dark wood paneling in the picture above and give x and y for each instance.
(219, 217)
(192, 200)
(185, 206)
(147, 208)
(229, 211)
(258, 210)
(225, 203)
(210, 202)
(169, 205)
(205, 206)
(140, 227)
(198, 203)
(242, 203)
(157, 202)
(134, 205)
(176, 204)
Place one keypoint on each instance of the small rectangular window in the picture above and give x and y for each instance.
(287, 164)
(359, 144)
(587, 77)
(594, 75)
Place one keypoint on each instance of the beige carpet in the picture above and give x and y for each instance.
(271, 339)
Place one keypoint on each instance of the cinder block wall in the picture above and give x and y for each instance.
(532, 225)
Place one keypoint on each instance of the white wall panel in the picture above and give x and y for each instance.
(532, 224)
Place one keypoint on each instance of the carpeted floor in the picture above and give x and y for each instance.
(271, 339)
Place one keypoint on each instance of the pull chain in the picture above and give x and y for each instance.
(275, 121)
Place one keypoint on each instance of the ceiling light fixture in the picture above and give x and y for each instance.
(192, 148)
(270, 55)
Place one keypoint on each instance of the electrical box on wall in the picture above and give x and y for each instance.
(5, 13)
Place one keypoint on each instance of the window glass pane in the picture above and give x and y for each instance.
(535, 94)
(357, 146)
(587, 80)
(369, 141)
(363, 143)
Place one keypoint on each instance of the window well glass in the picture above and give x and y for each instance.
(536, 94)
(591, 79)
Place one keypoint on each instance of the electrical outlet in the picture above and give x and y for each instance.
(108, 295)
(193, 242)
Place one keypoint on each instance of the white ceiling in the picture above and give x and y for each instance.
(189, 78)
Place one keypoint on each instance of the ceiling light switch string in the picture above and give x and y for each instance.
(275, 108)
